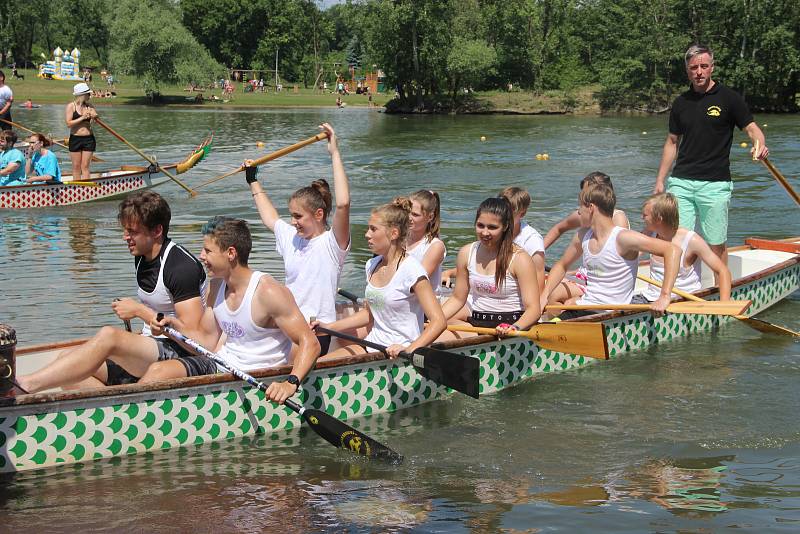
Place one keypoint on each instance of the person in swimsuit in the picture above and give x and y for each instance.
(660, 216)
(611, 256)
(169, 280)
(498, 274)
(313, 253)
(258, 315)
(82, 145)
(398, 294)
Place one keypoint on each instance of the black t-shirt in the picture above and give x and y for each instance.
(705, 121)
(183, 273)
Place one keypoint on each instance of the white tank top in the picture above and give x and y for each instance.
(249, 346)
(486, 297)
(419, 252)
(688, 275)
(610, 278)
(160, 299)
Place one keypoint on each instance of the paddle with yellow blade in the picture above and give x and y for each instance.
(727, 307)
(777, 175)
(758, 324)
(335, 432)
(146, 157)
(62, 145)
(585, 339)
(269, 157)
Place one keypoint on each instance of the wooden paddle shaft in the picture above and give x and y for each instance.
(145, 156)
(781, 180)
(726, 307)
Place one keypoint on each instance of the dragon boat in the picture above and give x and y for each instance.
(105, 185)
(66, 427)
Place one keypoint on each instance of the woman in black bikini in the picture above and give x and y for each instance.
(78, 115)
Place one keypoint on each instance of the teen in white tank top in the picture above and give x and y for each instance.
(419, 251)
(688, 275)
(160, 299)
(610, 278)
(249, 346)
(486, 296)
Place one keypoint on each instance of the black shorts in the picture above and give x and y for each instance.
(167, 350)
(82, 143)
(6, 117)
(574, 314)
(492, 319)
(324, 344)
(638, 298)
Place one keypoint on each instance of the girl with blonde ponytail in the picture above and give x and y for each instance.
(313, 253)
(497, 274)
(423, 235)
(398, 293)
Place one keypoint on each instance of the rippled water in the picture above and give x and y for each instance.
(696, 435)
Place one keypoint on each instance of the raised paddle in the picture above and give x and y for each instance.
(781, 180)
(329, 428)
(450, 369)
(269, 157)
(62, 145)
(145, 156)
(585, 339)
(758, 324)
(727, 307)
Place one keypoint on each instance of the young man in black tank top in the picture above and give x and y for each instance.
(114, 356)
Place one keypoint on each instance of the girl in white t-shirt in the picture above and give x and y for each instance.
(497, 274)
(423, 235)
(398, 291)
(313, 254)
(576, 286)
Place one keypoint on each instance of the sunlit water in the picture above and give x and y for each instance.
(696, 435)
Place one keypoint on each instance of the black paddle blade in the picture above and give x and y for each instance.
(348, 438)
(455, 371)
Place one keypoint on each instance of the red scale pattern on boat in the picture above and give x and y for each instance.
(63, 195)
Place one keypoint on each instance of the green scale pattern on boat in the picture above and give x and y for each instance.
(70, 434)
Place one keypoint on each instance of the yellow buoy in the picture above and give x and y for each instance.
(764, 125)
(260, 144)
(539, 156)
(483, 138)
(545, 156)
(743, 145)
(644, 133)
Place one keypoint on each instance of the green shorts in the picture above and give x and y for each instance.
(705, 204)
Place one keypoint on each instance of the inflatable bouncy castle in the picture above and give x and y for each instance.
(65, 65)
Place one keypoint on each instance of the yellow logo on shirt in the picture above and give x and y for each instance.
(714, 111)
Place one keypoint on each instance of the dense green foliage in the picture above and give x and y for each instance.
(433, 52)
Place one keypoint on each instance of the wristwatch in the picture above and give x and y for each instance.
(292, 379)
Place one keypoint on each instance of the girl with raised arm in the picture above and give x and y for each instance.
(497, 274)
(398, 293)
(313, 252)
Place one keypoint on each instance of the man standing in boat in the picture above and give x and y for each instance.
(257, 315)
(700, 134)
(170, 280)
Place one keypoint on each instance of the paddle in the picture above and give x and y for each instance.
(269, 157)
(62, 145)
(450, 369)
(335, 432)
(146, 157)
(728, 307)
(781, 180)
(77, 183)
(585, 339)
(758, 324)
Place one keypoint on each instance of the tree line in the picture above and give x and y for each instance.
(433, 52)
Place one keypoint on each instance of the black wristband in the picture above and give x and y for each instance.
(251, 174)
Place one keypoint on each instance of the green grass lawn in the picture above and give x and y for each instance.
(42, 91)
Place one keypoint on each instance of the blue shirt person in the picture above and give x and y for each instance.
(12, 161)
(43, 164)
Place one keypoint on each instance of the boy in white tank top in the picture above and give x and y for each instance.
(611, 255)
(258, 315)
(660, 216)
